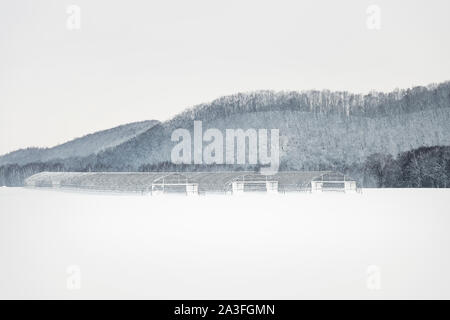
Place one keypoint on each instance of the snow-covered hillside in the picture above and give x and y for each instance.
(320, 128)
(80, 147)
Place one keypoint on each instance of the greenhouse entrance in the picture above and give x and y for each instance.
(254, 183)
(174, 184)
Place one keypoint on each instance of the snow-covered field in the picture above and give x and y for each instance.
(378, 244)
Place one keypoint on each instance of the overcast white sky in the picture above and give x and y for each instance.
(136, 60)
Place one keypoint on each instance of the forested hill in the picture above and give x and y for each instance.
(320, 130)
(374, 104)
(80, 147)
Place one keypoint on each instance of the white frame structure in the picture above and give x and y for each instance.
(168, 181)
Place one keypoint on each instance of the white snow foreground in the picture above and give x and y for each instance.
(378, 244)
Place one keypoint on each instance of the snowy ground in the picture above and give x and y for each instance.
(379, 244)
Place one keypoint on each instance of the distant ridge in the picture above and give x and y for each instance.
(79, 147)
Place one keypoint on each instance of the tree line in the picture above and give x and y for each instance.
(425, 167)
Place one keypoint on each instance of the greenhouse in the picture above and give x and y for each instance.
(192, 183)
